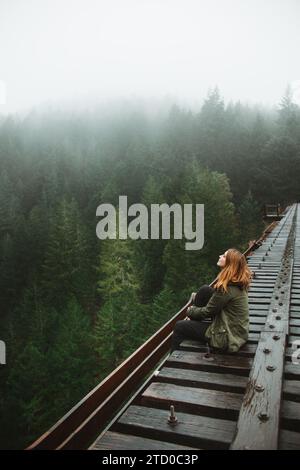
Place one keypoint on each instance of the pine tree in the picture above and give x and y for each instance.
(119, 326)
(251, 220)
(188, 270)
(66, 264)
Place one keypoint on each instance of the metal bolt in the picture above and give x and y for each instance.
(259, 388)
(207, 354)
(172, 420)
(272, 326)
(274, 310)
(271, 368)
(280, 303)
(267, 350)
(263, 416)
(278, 317)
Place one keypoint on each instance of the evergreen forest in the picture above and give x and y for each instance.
(72, 306)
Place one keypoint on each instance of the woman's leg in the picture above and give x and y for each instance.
(188, 329)
(203, 295)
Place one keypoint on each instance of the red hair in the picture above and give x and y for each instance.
(235, 270)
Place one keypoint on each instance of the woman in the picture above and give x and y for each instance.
(226, 303)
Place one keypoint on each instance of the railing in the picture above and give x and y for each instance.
(272, 210)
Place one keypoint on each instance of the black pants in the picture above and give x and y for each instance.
(193, 329)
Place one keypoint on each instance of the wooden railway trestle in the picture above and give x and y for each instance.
(247, 400)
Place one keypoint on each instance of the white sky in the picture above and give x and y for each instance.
(83, 50)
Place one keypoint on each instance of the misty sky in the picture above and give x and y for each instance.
(87, 50)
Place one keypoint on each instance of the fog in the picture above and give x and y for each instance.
(85, 51)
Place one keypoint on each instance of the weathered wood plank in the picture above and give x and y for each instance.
(257, 320)
(211, 402)
(202, 379)
(258, 301)
(253, 307)
(291, 414)
(254, 328)
(260, 411)
(253, 337)
(289, 440)
(261, 289)
(117, 441)
(295, 330)
(247, 350)
(292, 371)
(199, 361)
(191, 430)
(259, 295)
(292, 339)
(291, 390)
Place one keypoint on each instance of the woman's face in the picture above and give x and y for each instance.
(222, 260)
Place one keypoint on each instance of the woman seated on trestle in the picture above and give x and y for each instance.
(227, 305)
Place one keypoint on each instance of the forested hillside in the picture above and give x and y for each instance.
(73, 306)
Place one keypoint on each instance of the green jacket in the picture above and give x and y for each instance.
(230, 313)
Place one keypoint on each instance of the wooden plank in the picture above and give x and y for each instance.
(294, 309)
(295, 330)
(259, 295)
(289, 440)
(199, 361)
(258, 320)
(292, 339)
(295, 315)
(254, 314)
(254, 328)
(258, 313)
(196, 400)
(117, 441)
(260, 411)
(192, 430)
(291, 414)
(262, 307)
(253, 337)
(262, 284)
(202, 379)
(262, 287)
(247, 350)
(262, 397)
(258, 301)
(291, 390)
(292, 371)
